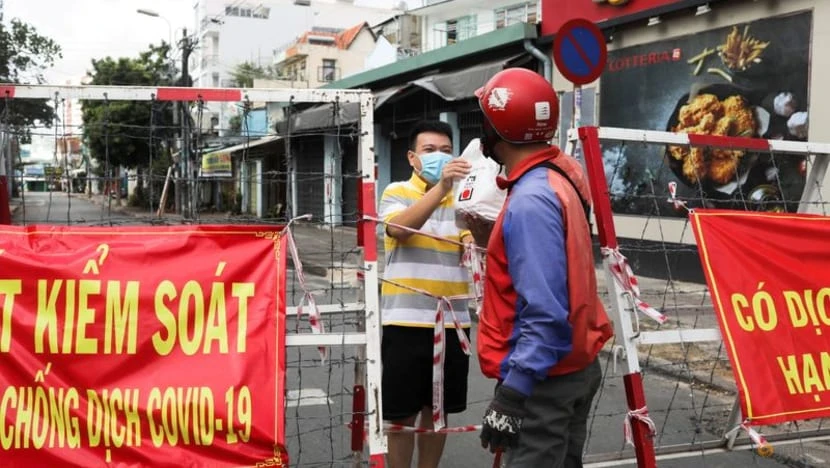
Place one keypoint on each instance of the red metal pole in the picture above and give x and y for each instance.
(358, 418)
(633, 381)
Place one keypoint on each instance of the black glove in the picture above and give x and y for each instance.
(503, 420)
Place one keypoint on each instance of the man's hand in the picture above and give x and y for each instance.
(480, 228)
(503, 420)
(456, 169)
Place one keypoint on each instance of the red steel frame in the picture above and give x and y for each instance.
(634, 393)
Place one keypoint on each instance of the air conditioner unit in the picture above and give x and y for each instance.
(302, 2)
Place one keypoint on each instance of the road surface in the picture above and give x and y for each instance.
(60, 208)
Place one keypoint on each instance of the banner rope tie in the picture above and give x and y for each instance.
(678, 203)
(763, 448)
(642, 416)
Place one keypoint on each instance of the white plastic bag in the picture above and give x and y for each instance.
(477, 194)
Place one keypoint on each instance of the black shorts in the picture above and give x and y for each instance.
(406, 354)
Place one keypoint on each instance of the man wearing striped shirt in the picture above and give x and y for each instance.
(414, 261)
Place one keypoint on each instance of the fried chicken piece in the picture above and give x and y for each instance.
(723, 170)
(737, 108)
(722, 153)
(745, 125)
(707, 115)
(733, 104)
(694, 166)
(678, 152)
(708, 123)
(691, 114)
(723, 126)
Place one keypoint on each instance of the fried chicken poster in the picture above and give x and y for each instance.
(744, 80)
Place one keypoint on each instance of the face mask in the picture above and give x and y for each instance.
(432, 164)
(489, 139)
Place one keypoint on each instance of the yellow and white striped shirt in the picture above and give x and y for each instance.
(422, 262)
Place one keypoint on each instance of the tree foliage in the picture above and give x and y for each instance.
(119, 132)
(245, 73)
(24, 56)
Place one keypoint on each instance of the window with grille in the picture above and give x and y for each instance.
(328, 72)
(524, 13)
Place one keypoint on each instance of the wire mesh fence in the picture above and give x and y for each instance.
(667, 333)
(668, 354)
(156, 173)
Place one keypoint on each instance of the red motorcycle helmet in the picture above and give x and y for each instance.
(520, 105)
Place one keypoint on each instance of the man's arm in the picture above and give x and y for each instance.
(534, 236)
(419, 212)
(416, 214)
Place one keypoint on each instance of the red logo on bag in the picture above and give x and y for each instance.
(467, 192)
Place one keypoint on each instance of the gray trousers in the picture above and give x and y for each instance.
(554, 431)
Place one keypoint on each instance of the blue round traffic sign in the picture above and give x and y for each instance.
(580, 51)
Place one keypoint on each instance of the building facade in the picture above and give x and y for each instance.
(231, 32)
(450, 21)
(324, 55)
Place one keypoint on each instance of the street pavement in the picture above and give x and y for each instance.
(320, 393)
(60, 208)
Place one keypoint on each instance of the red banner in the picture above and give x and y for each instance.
(769, 277)
(140, 346)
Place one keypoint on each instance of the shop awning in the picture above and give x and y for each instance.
(249, 144)
(217, 164)
(322, 116)
(384, 95)
(462, 84)
(450, 86)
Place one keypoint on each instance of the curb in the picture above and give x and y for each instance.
(313, 269)
(663, 367)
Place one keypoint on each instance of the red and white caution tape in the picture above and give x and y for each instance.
(763, 447)
(642, 416)
(389, 427)
(472, 253)
(438, 353)
(307, 305)
(474, 261)
(421, 233)
(624, 276)
(673, 197)
(439, 346)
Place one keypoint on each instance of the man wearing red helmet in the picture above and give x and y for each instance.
(542, 323)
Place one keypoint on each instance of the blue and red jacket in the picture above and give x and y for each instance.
(541, 315)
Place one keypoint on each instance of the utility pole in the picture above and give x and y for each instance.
(5, 189)
(187, 193)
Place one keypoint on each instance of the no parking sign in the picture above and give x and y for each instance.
(580, 51)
